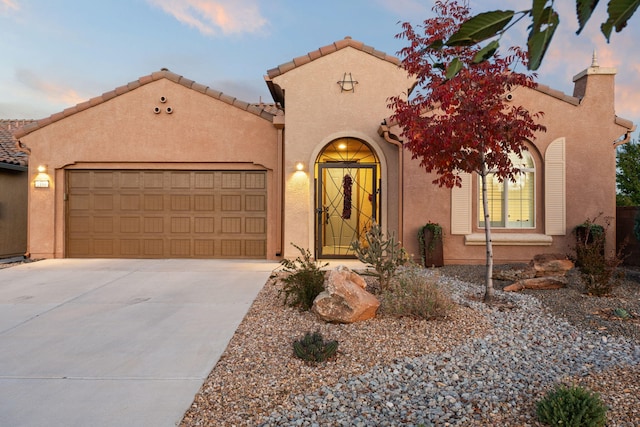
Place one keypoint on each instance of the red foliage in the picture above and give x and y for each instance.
(462, 124)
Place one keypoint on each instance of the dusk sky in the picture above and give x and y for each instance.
(57, 53)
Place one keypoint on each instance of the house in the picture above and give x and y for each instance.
(14, 185)
(164, 167)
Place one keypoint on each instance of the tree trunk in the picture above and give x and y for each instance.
(489, 291)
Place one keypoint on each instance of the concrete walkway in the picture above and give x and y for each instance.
(116, 342)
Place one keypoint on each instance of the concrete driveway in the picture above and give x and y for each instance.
(116, 342)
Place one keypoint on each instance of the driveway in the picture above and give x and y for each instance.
(116, 342)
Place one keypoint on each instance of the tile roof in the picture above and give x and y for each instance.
(9, 153)
(327, 50)
(265, 111)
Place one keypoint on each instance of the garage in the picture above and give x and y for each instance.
(166, 214)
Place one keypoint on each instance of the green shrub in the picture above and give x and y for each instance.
(436, 229)
(303, 280)
(597, 271)
(572, 407)
(313, 348)
(412, 294)
(384, 255)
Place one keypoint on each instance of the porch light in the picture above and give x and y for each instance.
(42, 179)
(299, 166)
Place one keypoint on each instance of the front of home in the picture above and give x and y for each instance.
(164, 167)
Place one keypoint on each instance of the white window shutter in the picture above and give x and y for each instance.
(555, 189)
(461, 206)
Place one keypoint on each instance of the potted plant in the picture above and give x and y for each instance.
(430, 238)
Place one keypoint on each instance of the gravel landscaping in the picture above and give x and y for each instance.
(480, 366)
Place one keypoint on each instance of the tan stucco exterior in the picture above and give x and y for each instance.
(207, 130)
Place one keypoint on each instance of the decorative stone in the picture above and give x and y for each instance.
(536, 283)
(345, 299)
(551, 265)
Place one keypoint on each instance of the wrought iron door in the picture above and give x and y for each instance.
(346, 206)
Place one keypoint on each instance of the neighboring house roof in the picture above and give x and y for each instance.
(265, 111)
(10, 156)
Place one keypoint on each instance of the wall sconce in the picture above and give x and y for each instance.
(42, 179)
(299, 166)
(347, 84)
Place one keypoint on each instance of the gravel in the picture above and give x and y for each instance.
(482, 365)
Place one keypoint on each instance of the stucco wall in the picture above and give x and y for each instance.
(589, 130)
(317, 112)
(201, 133)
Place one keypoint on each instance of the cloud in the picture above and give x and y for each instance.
(213, 16)
(7, 6)
(53, 92)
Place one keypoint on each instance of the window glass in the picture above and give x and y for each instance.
(511, 204)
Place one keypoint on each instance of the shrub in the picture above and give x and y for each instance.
(597, 271)
(436, 229)
(572, 407)
(412, 294)
(385, 255)
(313, 348)
(303, 280)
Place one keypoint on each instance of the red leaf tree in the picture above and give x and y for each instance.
(462, 123)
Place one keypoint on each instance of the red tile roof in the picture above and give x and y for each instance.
(265, 111)
(9, 153)
(327, 50)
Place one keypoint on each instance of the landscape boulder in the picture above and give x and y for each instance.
(345, 299)
(551, 265)
(547, 282)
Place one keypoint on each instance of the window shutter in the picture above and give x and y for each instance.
(461, 206)
(554, 188)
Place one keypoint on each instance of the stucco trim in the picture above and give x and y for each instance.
(267, 112)
(384, 205)
(509, 239)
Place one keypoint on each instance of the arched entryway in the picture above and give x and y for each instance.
(347, 196)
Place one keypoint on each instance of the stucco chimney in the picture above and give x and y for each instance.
(596, 82)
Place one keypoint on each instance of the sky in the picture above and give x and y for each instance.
(58, 53)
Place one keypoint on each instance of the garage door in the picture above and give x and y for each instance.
(166, 214)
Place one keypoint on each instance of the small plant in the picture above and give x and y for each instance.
(572, 407)
(621, 313)
(385, 255)
(313, 348)
(597, 271)
(303, 280)
(412, 294)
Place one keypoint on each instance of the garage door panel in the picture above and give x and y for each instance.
(161, 214)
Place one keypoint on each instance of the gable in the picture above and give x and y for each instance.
(323, 68)
(263, 111)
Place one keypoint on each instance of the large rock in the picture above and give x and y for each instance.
(551, 265)
(536, 283)
(345, 299)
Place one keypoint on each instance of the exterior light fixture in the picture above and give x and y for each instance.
(347, 84)
(299, 166)
(42, 179)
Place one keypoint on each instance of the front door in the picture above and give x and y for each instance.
(346, 206)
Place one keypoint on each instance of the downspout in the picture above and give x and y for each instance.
(384, 131)
(278, 123)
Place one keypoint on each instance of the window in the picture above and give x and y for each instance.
(511, 204)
